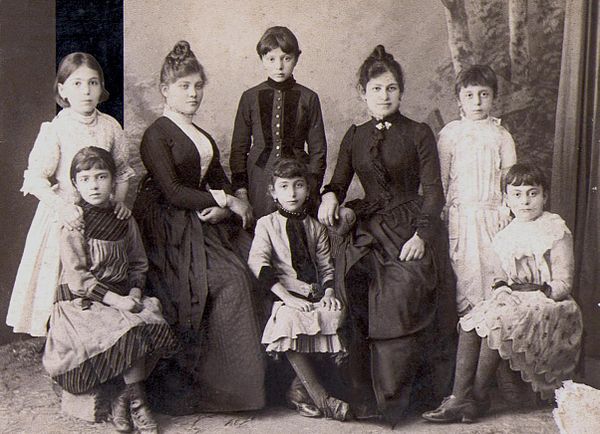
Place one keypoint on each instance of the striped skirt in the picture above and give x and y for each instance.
(289, 329)
(88, 346)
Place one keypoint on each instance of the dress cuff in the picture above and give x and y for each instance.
(220, 197)
(98, 292)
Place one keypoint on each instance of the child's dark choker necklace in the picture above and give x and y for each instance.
(294, 215)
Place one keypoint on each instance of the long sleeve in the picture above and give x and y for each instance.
(120, 153)
(217, 179)
(43, 161)
(136, 257)
(260, 257)
(317, 143)
(323, 256)
(344, 170)
(158, 159)
(429, 173)
(76, 268)
(445, 151)
(240, 145)
(508, 153)
(562, 260)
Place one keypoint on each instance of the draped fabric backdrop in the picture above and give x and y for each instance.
(576, 176)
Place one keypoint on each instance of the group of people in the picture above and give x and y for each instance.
(184, 302)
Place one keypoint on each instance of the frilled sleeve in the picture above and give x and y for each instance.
(562, 265)
(157, 158)
(259, 259)
(120, 153)
(77, 275)
(508, 153)
(429, 174)
(136, 257)
(43, 161)
(344, 170)
(323, 256)
(317, 143)
(240, 144)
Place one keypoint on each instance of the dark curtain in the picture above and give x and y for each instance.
(576, 174)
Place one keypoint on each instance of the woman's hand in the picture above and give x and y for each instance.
(122, 212)
(413, 249)
(329, 301)
(214, 214)
(298, 303)
(329, 210)
(503, 221)
(72, 217)
(136, 294)
(241, 208)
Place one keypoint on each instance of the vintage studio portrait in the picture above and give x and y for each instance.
(287, 216)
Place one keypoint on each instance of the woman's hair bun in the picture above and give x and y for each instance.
(180, 52)
(379, 53)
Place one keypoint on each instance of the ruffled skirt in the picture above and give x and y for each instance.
(88, 347)
(540, 337)
(289, 329)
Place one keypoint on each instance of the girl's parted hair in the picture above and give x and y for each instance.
(180, 62)
(278, 37)
(380, 62)
(477, 75)
(68, 65)
(92, 157)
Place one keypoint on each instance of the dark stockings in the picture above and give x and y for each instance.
(307, 375)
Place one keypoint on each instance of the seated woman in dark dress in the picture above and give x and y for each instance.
(388, 263)
(196, 253)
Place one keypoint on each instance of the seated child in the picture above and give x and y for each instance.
(101, 325)
(290, 255)
(530, 319)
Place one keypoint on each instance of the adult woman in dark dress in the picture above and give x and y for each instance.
(388, 265)
(196, 250)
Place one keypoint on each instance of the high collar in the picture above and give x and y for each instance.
(393, 119)
(292, 215)
(177, 117)
(84, 119)
(284, 85)
(89, 207)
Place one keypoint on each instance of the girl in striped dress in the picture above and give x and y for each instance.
(101, 325)
(290, 256)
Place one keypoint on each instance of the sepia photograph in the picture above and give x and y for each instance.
(298, 216)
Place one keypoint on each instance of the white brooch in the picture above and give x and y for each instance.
(381, 125)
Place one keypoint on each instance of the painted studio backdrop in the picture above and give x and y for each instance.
(432, 39)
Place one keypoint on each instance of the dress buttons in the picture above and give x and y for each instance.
(277, 116)
(277, 132)
(277, 147)
(278, 107)
(277, 125)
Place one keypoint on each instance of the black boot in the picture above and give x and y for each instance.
(121, 418)
(298, 398)
(142, 417)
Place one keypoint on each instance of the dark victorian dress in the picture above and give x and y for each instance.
(392, 304)
(198, 271)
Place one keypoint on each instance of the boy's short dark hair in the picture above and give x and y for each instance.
(525, 174)
(477, 75)
(278, 37)
(92, 157)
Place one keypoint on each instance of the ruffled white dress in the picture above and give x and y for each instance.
(539, 335)
(472, 156)
(56, 144)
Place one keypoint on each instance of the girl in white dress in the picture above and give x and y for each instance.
(530, 319)
(474, 153)
(79, 87)
(290, 255)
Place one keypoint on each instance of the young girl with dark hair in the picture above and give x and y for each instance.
(276, 119)
(79, 88)
(388, 265)
(197, 250)
(290, 256)
(530, 319)
(101, 325)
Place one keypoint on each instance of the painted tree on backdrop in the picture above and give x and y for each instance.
(522, 41)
